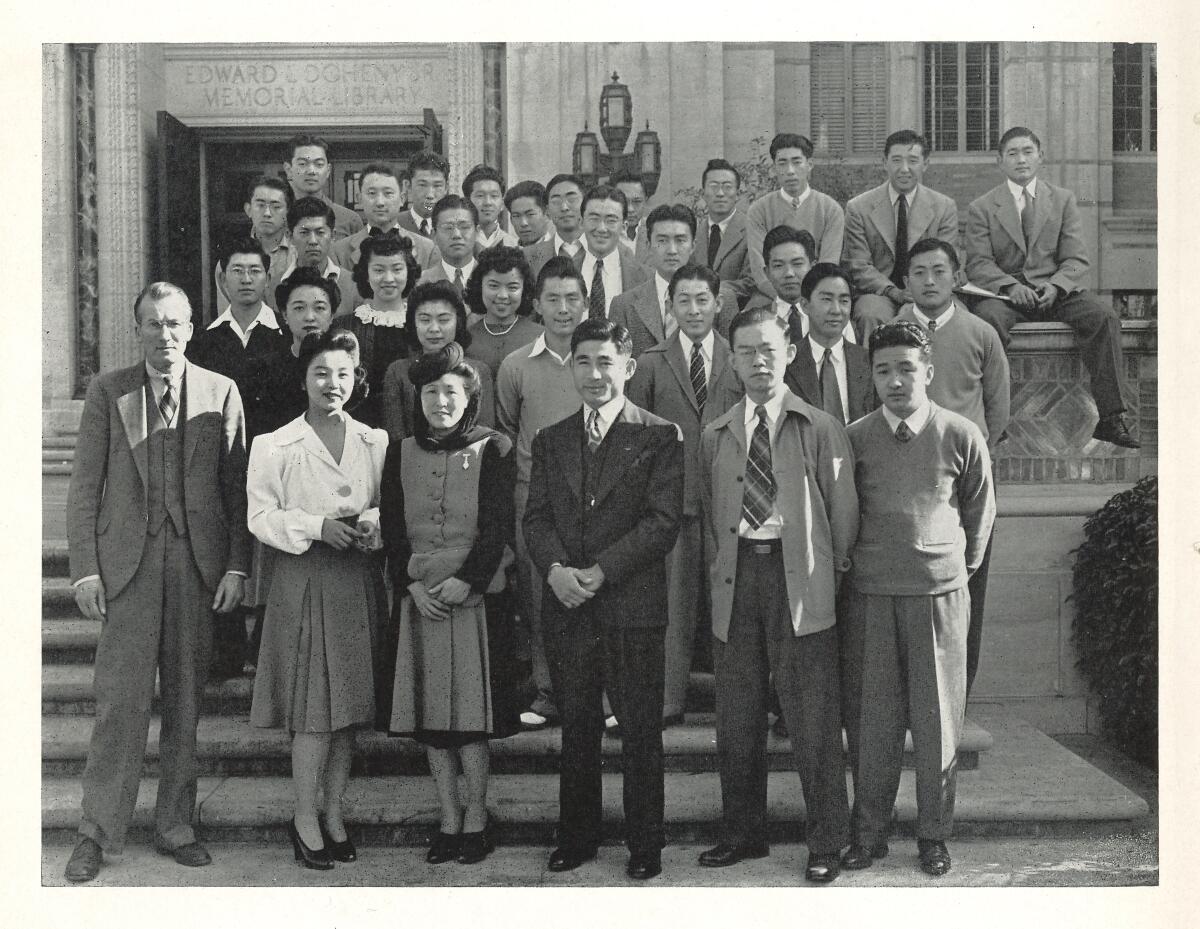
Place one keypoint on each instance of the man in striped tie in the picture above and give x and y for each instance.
(777, 491)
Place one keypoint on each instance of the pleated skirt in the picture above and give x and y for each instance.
(320, 641)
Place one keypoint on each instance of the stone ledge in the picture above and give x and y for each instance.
(1136, 335)
(1051, 500)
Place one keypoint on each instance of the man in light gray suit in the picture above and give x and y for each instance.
(883, 223)
(156, 522)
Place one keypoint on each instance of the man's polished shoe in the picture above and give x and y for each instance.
(822, 869)
(722, 856)
(84, 863)
(568, 859)
(191, 855)
(1112, 428)
(444, 847)
(644, 865)
(858, 856)
(935, 857)
(531, 720)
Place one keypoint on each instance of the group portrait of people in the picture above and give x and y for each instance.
(456, 466)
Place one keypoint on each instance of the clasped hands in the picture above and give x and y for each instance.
(1028, 298)
(575, 586)
(364, 536)
(436, 602)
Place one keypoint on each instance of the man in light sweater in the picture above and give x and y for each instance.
(926, 510)
(971, 378)
(795, 204)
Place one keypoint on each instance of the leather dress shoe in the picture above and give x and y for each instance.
(473, 847)
(935, 857)
(443, 848)
(722, 856)
(644, 865)
(859, 856)
(568, 859)
(343, 851)
(191, 855)
(84, 863)
(822, 869)
(531, 721)
(1112, 428)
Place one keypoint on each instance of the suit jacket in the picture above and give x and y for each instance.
(869, 241)
(804, 380)
(820, 514)
(346, 251)
(662, 384)
(346, 221)
(732, 262)
(795, 325)
(107, 505)
(638, 311)
(632, 519)
(540, 252)
(996, 253)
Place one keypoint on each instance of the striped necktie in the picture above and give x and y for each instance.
(759, 497)
(596, 308)
(458, 280)
(696, 371)
(167, 404)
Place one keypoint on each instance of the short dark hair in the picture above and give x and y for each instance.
(481, 173)
(246, 245)
(499, 259)
(753, 316)
(671, 213)
(304, 140)
(427, 368)
(530, 189)
(602, 330)
(1017, 132)
(435, 292)
(274, 183)
(906, 137)
(306, 277)
(931, 244)
(791, 140)
(310, 208)
(158, 290)
(695, 273)
(378, 167)
(627, 177)
(719, 164)
(821, 271)
(453, 202)
(900, 333)
(429, 161)
(785, 233)
(385, 246)
(605, 192)
(334, 339)
(561, 268)
(563, 179)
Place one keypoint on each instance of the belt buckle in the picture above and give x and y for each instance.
(762, 548)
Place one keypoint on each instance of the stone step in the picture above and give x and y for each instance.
(230, 746)
(58, 455)
(55, 561)
(1034, 787)
(70, 642)
(60, 440)
(58, 598)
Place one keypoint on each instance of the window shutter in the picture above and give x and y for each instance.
(868, 97)
(828, 101)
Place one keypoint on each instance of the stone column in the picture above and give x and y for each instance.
(87, 280)
(464, 118)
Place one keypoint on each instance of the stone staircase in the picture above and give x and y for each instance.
(1014, 779)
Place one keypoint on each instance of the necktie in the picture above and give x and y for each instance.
(593, 431)
(1027, 218)
(377, 233)
(831, 397)
(167, 404)
(458, 280)
(596, 295)
(932, 326)
(903, 433)
(696, 370)
(631, 231)
(901, 267)
(425, 228)
(795, 324)
(760, 480)
(670, 326)
(714, 244)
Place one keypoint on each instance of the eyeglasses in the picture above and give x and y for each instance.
(250, 273)
(304, 163)
(449, 228)
(726, 188)
(612, 222)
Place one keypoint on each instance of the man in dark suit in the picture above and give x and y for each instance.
(1025, 241)
(605, 499)
(829, 372)
(646, 310)
(429, 180)
(721, 235)
(687, 380)
(308, 168)
(156, 521)
(564, 197)
(609, 267)
(884, 222)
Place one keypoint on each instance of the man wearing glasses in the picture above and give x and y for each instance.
(609, 267)
(564, 198)
(455, 223)
(266, 205)
(721, 235)
(308, 169)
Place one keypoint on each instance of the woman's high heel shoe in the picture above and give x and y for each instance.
(475, 846)
(443, 848)
(317, 859)
(343, 851)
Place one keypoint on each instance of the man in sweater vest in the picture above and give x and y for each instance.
(795, 204)
(972, 378)
(781, 514)
(924, 482)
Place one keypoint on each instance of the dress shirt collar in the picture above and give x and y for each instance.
(1018, 191)
(707, 344)
(608, 415)
(612, 265)
(723, 225)
(417, 219)
(466, 270)
(783, 310)
(894, 195)
(915, 422)
(794, 204)
(331, 270)
(157, 377)
(660, 287)
(837, 352)
(540, 346)
(265, 317)
(941, 320)
(774, 406)
(572, 247)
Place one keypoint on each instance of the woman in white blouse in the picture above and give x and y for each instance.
(313, 494)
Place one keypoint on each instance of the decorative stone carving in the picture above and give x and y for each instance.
(87, 283)
(464, 120)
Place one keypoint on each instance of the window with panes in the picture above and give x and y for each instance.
(961, 95)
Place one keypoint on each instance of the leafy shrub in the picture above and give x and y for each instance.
(1115, 629)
